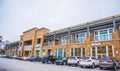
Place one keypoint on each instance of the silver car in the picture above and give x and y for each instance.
(74, 60)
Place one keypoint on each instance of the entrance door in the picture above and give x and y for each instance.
(101, 52)
(49, 52)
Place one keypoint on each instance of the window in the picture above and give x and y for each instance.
(77, 51)
(81, 38)
(64, 39)
(110, 54)
(49, 43)
(93, 51)
(64, 53)
(83, 52)
(71, 51)
(105, 34)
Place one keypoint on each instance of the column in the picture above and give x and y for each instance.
(114, 23)
(96, 53)
(107, 51)
(62, 52)
(57, 52)
(81, 52)
(113, 50)
(73, 51)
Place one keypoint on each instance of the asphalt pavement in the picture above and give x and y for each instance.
(18, 65)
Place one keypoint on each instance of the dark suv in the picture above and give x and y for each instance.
(109, 62)
(62, 61)
(49, 59)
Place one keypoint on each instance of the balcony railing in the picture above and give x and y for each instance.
(103, 38)
(47, 44)
(37, 47)
(27, 47)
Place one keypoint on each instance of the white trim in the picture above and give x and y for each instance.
(113, 50)
(73, 51)
(57, 52)
(96, 52)
(107, 51)
(81, 52)
(63, 52)
(91, 51)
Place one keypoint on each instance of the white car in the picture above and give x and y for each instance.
(89, 62)
(74, 60)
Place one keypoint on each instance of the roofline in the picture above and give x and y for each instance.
(30, 29)
(43, 28)
(90, 22)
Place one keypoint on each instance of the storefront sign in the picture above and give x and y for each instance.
(95, 44)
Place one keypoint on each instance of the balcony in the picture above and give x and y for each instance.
(103, 38)
(27, 47)
(47, 44)
(37, 47)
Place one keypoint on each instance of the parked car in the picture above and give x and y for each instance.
(26, 58)
(36, 59)
(48, 59)
(109, 62)
(3, 56)
(62, 61)
(19, 58)
(74, 60)
(14, 57)
(89, 62)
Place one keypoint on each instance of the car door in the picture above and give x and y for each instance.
(116, 62)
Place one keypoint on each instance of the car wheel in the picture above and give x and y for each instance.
(93, 65)
(101, 68)
(69, 64)
(56, 63)
(115, 67)
(81, 66)
(64, 63)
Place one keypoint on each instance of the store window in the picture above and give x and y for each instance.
(93, 51)
(64, 53)
(110, 54)
(101, 51)
(83, 52)
(72, 52)
(77, 51)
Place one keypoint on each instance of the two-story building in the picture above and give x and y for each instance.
(95, 38)
(12, 48)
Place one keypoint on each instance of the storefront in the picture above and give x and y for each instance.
(78, 52)
(60, 53)
(98, 50)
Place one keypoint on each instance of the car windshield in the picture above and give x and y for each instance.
(84, 58)
(72, 58)
(105, 58)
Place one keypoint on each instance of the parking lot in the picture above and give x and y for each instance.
(18, 65)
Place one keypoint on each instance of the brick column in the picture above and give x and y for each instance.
(116, 45)
(41, 46)
(88, 46)
(33, 43)
(22, 49)
(53, 47)
(68, 48)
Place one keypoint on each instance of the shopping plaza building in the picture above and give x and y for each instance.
(95, 38)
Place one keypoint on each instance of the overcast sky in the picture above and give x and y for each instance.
(17, 16)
